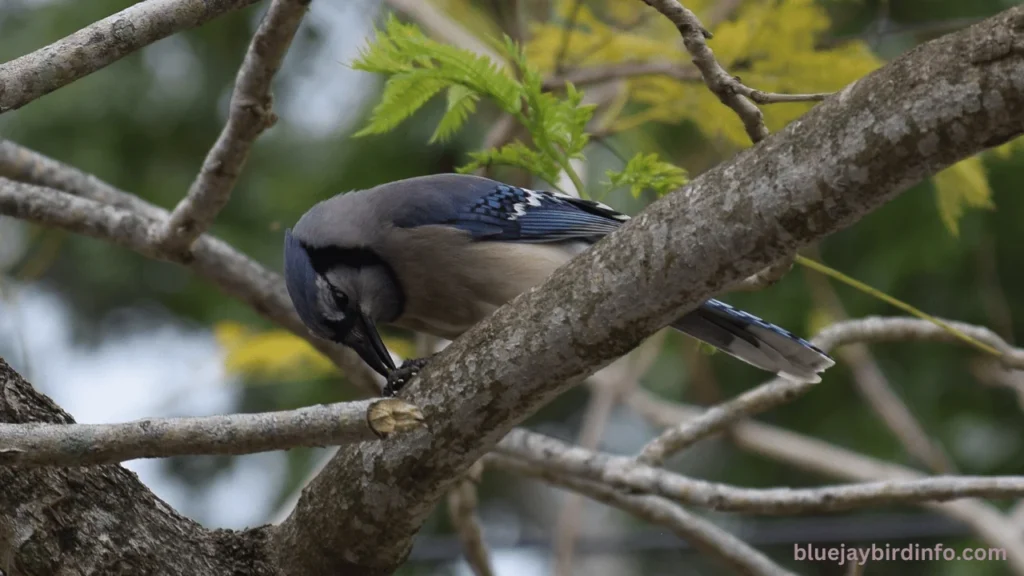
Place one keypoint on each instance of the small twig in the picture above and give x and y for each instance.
(249, 116)
(625, 473)
(774, 98)
(100, 44)
(462, 502)
(36, 444)
(599, 74)
(701, 533)
(765, 277)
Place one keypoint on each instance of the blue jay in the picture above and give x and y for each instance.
(437, 254)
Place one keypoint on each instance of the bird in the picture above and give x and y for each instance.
(439, 253)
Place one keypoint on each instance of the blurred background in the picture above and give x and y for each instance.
(112, 336)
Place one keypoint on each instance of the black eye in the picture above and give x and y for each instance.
(340, 299)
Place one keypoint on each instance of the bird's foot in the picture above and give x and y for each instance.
(401, 376)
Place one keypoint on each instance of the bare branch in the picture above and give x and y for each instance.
(625, 473)
(773, 98)
(91, 444)
(462, 501)
(819, 457)
(897, 329)
(815, 177)
(773, 393)
(100, 44)
(718, 80)
(211, 258)
(780, 391)
(701, 533)
(251, 113)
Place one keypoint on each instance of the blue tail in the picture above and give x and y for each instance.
(755, 341)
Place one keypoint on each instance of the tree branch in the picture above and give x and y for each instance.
(625, 473)
(101, 519)
(724, 85)
(819, 457)
(100, 44)
(211, 258)
(251, 113)
(89, 444)
(701, 533)
(846, 157)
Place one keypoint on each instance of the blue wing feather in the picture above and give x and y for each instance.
(510, 213)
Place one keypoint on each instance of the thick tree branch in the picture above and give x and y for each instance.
(700, 533)
(626, 473)
(251, 113)
(843, 159)
(211, 258)
(101, 519)
(89, 444)
(100, 44)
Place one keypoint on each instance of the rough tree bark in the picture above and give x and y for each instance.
(939, 103)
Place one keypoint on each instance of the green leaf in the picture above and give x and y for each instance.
(419, 67)
(647, 172)
(403, 95)
(461, 103)
(515, 154)
(959, 187)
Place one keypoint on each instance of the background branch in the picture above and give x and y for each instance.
(625, 473)
(102, 43)
(701, 533)
(251, 113)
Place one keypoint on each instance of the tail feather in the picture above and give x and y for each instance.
(754, 341)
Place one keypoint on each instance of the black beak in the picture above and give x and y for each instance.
(365, 340)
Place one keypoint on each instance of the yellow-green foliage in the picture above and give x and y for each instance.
(646, 172)
(961, 186)
(278, 355)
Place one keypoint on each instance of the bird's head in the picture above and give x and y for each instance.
(340, 292)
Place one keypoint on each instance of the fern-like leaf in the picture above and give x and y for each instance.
(461, 103)
(647, 172)
(515, 154)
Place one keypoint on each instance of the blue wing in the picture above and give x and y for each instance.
(515, 214)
